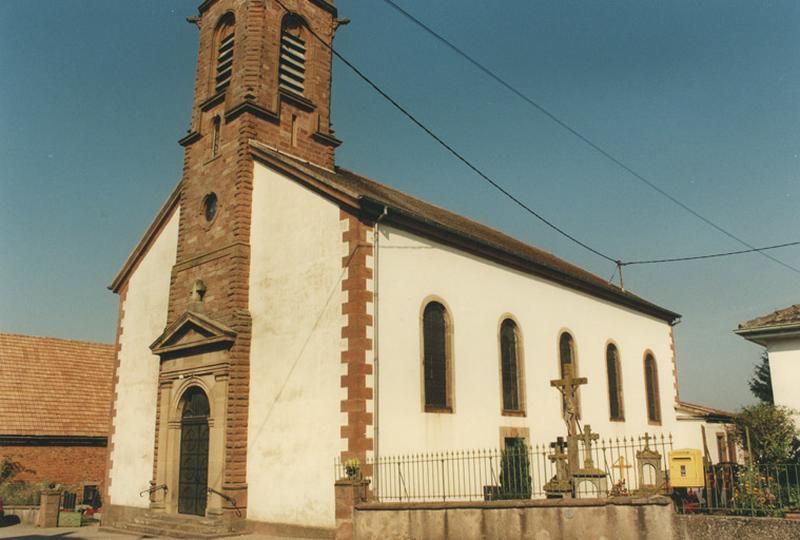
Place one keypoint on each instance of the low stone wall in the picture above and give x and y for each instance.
(690, 527)
(619, 519)
(20, 514)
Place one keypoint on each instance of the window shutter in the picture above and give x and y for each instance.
(435, 347)
(509, 367)
(612, 366)
(292, 70)
(651, 382)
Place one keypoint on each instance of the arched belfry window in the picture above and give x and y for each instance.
(651, 389)
(510, 365)
(616, 410)
(566, 354)
(224, 42)
(292, 68)
(436, 357)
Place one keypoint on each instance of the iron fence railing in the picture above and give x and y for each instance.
(755, 490)
(492, 474)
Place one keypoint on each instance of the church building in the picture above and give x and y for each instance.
(282, 312)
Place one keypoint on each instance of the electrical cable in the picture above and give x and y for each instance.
(708, 256)
(450, 149)
(580, 136)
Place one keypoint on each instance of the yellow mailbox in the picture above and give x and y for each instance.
(686, 468)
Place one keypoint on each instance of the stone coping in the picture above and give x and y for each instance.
(520, 503)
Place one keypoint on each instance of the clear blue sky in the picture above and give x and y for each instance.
(703, 97)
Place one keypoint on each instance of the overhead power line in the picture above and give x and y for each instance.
(709, 256)
(605, 153)
(453, 151)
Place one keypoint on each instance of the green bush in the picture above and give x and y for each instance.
(515, 475)
(21, 493)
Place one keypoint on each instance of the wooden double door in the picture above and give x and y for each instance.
(193, 476)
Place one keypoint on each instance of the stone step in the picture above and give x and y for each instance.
(168, 532)
(165, 521)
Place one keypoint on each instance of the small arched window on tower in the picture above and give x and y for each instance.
(510, 367)
(616, 411)
(436, 358)
(224, 40)
(566, 353)
(292, 70)
(651, 389)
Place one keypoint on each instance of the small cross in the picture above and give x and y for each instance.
(587, 438)
(559, 458)
(646, 441)
(621, 464)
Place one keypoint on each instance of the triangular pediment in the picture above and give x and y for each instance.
(193, 331)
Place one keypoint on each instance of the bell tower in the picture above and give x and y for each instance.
(263, 73)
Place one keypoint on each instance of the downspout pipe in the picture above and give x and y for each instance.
(375, 348)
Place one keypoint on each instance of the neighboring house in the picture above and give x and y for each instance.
(281, 312)
(707, 429)
(779, 332)
(55, 408)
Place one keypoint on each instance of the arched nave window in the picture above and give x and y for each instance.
(616, 409)
(651, 388)
(566, 353)
(436, 330)
(510, 367)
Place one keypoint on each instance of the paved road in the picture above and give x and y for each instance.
(92, 533)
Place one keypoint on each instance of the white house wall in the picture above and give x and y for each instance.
(477, 295)
(295, 304)
(144, 317)
(784, 365)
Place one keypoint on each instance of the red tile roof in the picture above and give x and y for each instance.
(782, 317)
(55, 387)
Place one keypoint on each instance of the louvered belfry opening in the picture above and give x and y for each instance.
(435, 361)
(225, 56)
(509, 365)
(292, 69)
(614, 386)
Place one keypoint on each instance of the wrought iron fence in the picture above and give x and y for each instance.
(515, 473)
(755, 490)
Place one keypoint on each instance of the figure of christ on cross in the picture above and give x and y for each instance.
(568, 386)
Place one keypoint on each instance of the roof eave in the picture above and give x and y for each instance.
(147, 240)
(529, 266)
(764, 334)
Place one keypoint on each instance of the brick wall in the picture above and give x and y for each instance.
(61, 464)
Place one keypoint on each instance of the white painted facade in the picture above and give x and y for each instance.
(784, 366)
(295, 304)
(144, 314)
(478, 295)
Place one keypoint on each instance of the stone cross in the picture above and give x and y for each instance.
(568, 386)
(559, 458)
(621, 464)
(646, 441)
(587, 438)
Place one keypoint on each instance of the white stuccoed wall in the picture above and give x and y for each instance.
(295, 303)
(784, 365)
(144, 318)
(477, 294)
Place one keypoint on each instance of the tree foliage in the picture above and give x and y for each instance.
(8, 469)
(773, 434)
(761, 382)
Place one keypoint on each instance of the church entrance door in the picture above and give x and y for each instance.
(193, 476)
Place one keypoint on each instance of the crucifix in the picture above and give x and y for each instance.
(568, 386)
(587, 438)
(559, 458)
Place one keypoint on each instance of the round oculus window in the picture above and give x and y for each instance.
(210, 206)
